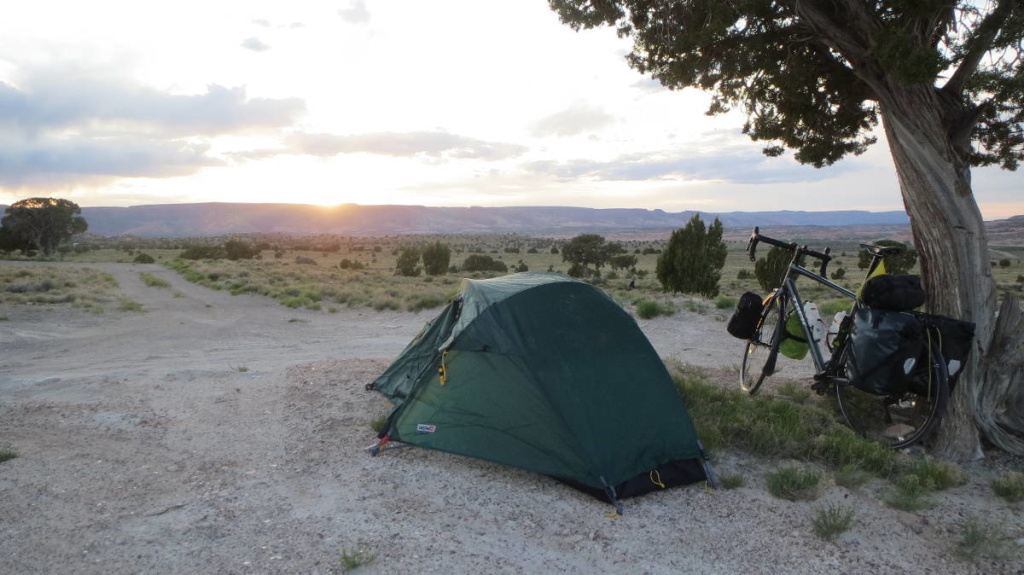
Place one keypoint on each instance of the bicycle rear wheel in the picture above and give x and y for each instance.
(899, 419)
(763, 348)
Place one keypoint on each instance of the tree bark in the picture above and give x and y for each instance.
(950, 236)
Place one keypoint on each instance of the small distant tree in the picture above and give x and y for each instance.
(769, 269)
(436, 258)
(199, 252)
(44, 223)
(587, 250)
(622, 262)
(900, 263)
(693, 260)
(408, 258)
(483, 263)
(839, 274)
(239, 250)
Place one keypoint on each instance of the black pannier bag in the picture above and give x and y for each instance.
(885, 347)
(895, 292)
(743, 322)
(955, 341)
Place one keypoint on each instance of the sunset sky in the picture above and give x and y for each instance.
(443, 103)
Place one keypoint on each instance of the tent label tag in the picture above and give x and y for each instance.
(425, 428)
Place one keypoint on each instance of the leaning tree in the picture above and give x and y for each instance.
(44, 223)
(946, 80)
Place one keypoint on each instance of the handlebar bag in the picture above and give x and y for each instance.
(894, 292)
(885, 346)
(743, 322)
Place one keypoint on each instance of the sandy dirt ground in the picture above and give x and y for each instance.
(222, 434)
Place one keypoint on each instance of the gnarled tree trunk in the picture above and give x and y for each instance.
(950, 236)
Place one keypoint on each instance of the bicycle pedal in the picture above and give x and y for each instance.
(820, 387)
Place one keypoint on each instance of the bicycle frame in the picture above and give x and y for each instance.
(788, 290)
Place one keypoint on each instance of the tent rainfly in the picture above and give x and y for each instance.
(546, 373)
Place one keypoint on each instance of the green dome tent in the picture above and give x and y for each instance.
(546, 373)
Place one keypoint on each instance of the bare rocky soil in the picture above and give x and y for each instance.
(221, 434)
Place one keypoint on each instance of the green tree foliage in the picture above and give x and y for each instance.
(900, 263)
(693, 260)
(769, 269)
(239, 250)
(586, 250)
(436, 258)
(483, 263)
(9, 243)
(44, 223)
(813, 76)
(201, 252)
(622, 261)
(408, 258)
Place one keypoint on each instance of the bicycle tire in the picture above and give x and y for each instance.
(900, 419)
(762, 351)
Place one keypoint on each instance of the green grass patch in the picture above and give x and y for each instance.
(7, 454)
(650, 309)
(794, 483)
(1010, 487)
(378, 423)
(725, 302)
(832, 521)
(352, 560)
(153, 281)
(732, 481)
(911, 494)
(126, 304)
(978, 541)
(850, 476)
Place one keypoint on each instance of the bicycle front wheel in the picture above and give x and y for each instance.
(762, 351)
(899, 419)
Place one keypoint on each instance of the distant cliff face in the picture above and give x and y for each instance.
(217, 219)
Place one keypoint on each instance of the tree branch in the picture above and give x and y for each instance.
(979, 44)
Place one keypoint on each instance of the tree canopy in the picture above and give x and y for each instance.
(44, 223)
(810, 74)
(587, 250)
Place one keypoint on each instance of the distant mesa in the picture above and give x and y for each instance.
(218, 219)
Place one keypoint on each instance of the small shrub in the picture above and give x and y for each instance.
(724, 302)
(306, 261)
(850, 476)
(794, 483)
(153, 281)
(978, 540)
(143, 258)
(910, 494)
(1010, 487)
(378, 423)
(648, 309)
(351, 560)
(935, 475)
(831, 521)
(7, 454)
(129, 305)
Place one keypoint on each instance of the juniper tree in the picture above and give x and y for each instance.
(693, 260)
(944, 78)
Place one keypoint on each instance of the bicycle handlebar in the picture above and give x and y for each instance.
(756, 237)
